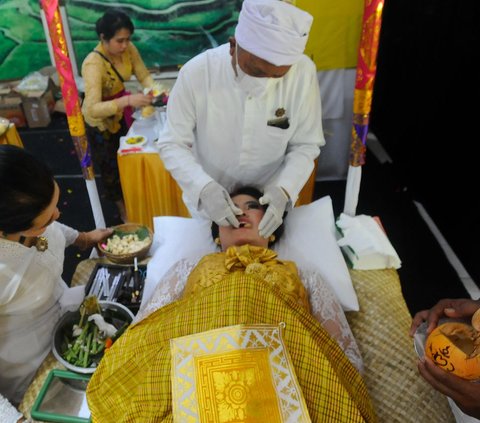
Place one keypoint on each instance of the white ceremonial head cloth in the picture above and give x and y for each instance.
(273, 30)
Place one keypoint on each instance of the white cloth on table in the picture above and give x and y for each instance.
(324, 305)
(145, 127)
(33, 296)
(215, 131)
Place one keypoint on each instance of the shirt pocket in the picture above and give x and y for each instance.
(275, 140)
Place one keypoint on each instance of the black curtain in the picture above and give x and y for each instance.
(426, 112)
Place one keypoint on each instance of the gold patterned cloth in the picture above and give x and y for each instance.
(133, 381)
(258, 262)
(233, 374)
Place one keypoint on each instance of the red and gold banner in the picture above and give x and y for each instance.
(76, 124)
(365, 78)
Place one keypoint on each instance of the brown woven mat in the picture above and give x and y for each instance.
(30, 396)
(381, 327)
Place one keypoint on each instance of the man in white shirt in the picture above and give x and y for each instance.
(246, 113)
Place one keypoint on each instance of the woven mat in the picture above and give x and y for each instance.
(398, 392)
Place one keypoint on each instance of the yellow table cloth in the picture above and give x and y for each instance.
(11, 136)
(148, 189)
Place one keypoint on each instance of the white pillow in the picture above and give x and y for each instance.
(309, 240)
(175, 238)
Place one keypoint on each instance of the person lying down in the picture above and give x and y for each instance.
(245, 283)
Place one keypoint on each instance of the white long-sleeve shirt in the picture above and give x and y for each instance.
(215, 131)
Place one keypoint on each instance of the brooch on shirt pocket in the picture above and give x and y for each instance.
(280, 120)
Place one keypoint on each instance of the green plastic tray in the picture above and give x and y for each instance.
(62, 398)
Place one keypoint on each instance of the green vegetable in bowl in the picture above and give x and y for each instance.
(87, 340)
(142, 233)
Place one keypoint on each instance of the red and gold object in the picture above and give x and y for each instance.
(76, 124)
(365, 78)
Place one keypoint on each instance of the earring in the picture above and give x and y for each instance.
(217, 240)
(271, 238)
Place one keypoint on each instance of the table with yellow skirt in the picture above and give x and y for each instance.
(149, 190)
(11, 136)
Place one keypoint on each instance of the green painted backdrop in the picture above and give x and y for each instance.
(167, 32)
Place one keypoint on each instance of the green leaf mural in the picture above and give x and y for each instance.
(167, 32)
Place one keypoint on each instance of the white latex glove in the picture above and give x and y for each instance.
(218, 205)
(278, 201)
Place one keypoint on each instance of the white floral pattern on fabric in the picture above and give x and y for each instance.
(324, 305)
(169, 289)
(326, 308)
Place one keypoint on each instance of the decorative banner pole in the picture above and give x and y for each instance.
(76, 124)
(362, 99)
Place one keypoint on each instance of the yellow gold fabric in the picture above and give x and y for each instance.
(11, 137)
(240, 373)
(255, 261)
(148, 189)
(133, 383)
(335, 34)
(306, 194)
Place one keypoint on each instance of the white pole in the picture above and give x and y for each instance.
(47, 36)
(68, 38)
(96, 209)
(352, 190)
(95, 203)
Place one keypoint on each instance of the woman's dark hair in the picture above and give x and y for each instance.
(253, 192)
(112, 21)
(27, 188)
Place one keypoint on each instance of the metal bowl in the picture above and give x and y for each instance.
(114, 313)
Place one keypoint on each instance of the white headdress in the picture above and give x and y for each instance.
(273, 30)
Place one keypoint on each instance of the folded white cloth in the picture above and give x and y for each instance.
(365, 244)
(273, 30)
(72, 298)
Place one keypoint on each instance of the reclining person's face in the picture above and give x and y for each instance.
(247, 233)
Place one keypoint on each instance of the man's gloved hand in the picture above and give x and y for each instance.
(216, 202)
(277, 200)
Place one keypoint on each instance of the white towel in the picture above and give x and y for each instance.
(365, 244)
